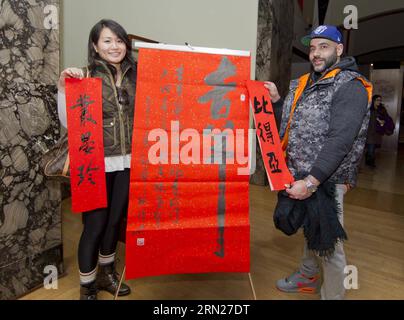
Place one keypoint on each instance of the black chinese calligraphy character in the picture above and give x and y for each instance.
(261, 132)
(84, 102)
(273, 163)
(160, 202)
(164, 74)
(141, 215)
(217, 95)
(144, 175)
(87, 144)
(87, 174)
(268, 132)
(259, 107)
(180, 73)
(165, 89)
(141, 201)
(220, 109)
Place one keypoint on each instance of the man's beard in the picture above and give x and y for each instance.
(329, 62)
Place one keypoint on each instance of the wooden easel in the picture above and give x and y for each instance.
(124, 270)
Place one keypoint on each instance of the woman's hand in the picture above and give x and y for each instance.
(381, 122)
(69, 73)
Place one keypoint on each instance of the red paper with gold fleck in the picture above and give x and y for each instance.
(187, 215)
(271, 149)
(86, 144)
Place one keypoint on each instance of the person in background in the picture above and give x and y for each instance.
(380, 124)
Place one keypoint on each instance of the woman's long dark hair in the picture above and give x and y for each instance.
(376, 96)
(95, 33)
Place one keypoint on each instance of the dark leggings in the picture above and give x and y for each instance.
(102, 226)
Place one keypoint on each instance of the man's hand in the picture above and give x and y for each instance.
(273, 91)
(299, 189)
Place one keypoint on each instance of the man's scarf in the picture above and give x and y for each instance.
(318, 215)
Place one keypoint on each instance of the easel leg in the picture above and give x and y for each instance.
(252, 286)
(120, 282)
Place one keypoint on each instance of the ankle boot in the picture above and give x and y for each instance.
(88, 291)
(108, 280)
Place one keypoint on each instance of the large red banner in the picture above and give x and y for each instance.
(188, 208)
(86, 144)
(271, 149)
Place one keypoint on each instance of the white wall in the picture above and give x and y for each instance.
(228, 24)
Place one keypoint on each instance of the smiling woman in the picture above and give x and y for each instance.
(109, 42)
(109, 58)
(110, 47)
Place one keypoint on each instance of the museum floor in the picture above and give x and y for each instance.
(374, 221)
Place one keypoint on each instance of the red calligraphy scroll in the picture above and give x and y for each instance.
(187, 215)
(86, 144)
(268, 137)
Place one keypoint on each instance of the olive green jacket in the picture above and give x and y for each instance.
(117, 117)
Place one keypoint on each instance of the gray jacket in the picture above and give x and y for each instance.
(328, 130)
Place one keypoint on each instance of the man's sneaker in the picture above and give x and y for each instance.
(297, 282)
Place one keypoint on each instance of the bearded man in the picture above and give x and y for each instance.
(323, 124)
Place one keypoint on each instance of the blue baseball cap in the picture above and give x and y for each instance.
(324, 32)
